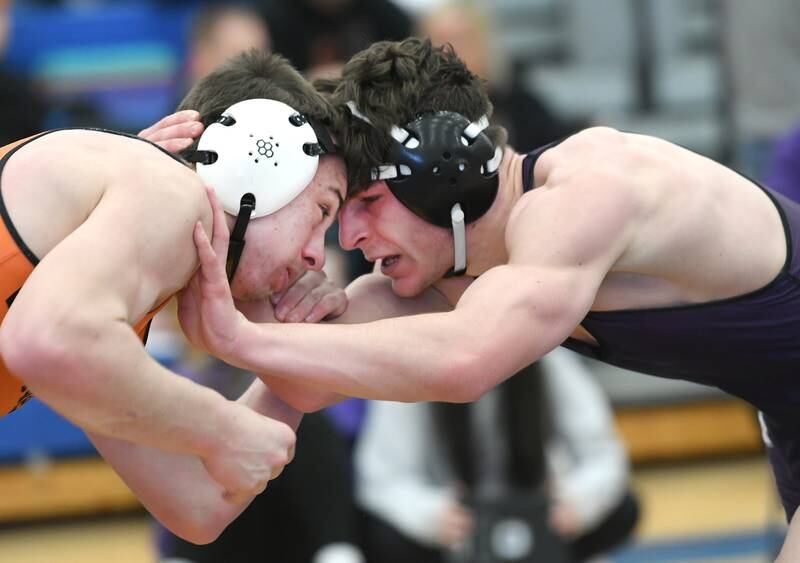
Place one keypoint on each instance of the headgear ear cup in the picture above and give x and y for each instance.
(260, 150)
(444, 168)
(258, 156)
(446, 165)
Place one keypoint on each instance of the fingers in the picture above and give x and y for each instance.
(456, 525)
(188, 317)
(212, 274)
(220, 236)
(286, 302)
(242, 497)
(175, 132)
(181, 124)
(205, 251)
(276, 472)
(329, 306)
(176, 145)
(312, 307)
(310, 299)
(235, 498)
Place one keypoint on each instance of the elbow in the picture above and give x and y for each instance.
(465, 378)
(32, 352)
(196, 526)
(303, 399)
(197, 534)
(307, 404)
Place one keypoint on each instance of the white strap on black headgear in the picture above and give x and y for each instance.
(459, 241)
(390, 171)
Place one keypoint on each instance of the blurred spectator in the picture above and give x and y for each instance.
(467, 28)
(418, 7)
(220, 31)
(418, 463)
(318, 36)
(763, 58)
(22, 108)
(783, 173)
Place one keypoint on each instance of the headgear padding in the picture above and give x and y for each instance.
(442, 160)
(262, 147)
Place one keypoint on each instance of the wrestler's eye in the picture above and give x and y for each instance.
(370, 199)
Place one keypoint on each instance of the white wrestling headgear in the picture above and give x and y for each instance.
(262, 147)
(258, 156)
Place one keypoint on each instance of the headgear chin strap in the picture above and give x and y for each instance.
(444, 168)
(258, 156)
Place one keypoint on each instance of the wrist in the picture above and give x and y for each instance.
(225, 420)
(223, 340)
(253, 345)
(236, 348)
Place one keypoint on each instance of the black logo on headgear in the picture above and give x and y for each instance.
(265, 148)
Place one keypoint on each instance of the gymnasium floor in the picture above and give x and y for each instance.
(701, 512)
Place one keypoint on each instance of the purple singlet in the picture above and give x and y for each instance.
(748, 346)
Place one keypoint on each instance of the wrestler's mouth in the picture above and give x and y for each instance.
(388, 263)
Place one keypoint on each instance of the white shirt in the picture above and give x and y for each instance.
(403, 478)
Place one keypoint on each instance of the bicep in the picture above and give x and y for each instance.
(116, 264)
(562, 242)
(85, 274)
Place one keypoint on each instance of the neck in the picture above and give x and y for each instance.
(486, 247)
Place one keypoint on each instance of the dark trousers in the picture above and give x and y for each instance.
(384, 544)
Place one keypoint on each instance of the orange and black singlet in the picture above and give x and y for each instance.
(17, 262)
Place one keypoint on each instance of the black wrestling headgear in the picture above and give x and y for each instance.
(444, 168)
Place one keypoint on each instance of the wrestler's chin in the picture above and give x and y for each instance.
(408, 286)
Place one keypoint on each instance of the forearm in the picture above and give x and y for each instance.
(104, 381)
(267, 402)
(445, 356)
(300, 397)
(406, 359)
(176, 488)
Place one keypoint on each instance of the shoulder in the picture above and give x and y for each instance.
(588, 150)
(147, 174)
(156, 200)
(110, 156)
(591, 165)
(584, 206)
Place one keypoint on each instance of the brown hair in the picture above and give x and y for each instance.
(255, 74)
(391, 83)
